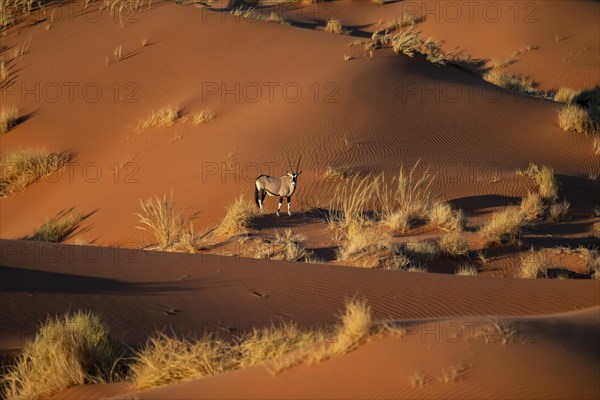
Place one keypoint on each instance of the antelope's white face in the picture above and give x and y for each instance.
(294, 176)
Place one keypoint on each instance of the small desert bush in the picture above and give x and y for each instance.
(416, 268)
(284, 246)
(533, 265)
(566, 95)
(356, 326)
(532, 206)
(58, 229)
(466, 270)
(159, 218)
(9, 117)
(364, 241)
(446, 218)
(24, 167)
(422, 250)
(574, 118)
(334, 26)
(558, 209)
(68, 351)
(203, 117)
(453, 245)
(503, 226)
(509, 81)
(166, 360)
(544, 179)
(237, 219)
(352, 201)
(336, 174)
(162, 118)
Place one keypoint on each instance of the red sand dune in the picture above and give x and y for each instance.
(280, 92)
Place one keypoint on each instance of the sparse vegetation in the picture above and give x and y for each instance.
(237, 219)
(532, 206)
(58, 229)
(422, 250)
(544, 179)
(511, 82)
(446, 218)
(171, 230)
(163, 118)
(9, 118)
(533, 265)
(558, 210)
(503, 226)
(453, 245)
(24, 167)
(363, 242)
(67, 351)
(335, 26)
(574, 118)
(566, 95)
(466, 270)
(453, 374)
(418, 379)
(203, 117)
(286, 246)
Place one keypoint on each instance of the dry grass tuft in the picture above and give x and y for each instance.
(511, 82)
(58, 229)
(335, 26)
(558, 210)
(203, 117)
(566, 95)
(363, 241)
(466, 270)
(532, 206)
(533, 265)
(284, 246)
(9, 117)
(357, 325)
(574, 118)
(237, 219)
(418, 379)
(162, 118)
(446, 218)
(453, 374)
(68, 351)
(453, 245)
(166, 360)
(544, 179)
(171, 230)
(24, 167)
(503, 226)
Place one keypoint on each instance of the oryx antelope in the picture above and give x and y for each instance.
(282, 186)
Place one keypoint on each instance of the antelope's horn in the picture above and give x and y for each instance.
(290, 165)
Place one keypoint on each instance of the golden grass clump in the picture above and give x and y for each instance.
(453, 245)
(574, 118)
(68, 351)
(237, 219)
(357, 324)
(446, 218)
(533, 265)
(166, 360)
(509, 81)
(466, 270)
(334, 26)
(423, 250)
(532, 207)
(503, 226)
(558, 210)
(9, 117)
(363, 242)
(162, 118)
(24, 167)
(58, 229)
(171, 230)
(566, 95)
(202, 117)
(544, 179)
(284, 246)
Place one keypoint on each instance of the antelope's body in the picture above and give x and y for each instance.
(281, 186)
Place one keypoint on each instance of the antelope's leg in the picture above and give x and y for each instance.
(261, 201)
(279, 206)
(289, 199)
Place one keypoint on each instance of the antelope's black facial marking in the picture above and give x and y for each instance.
(294, 177)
